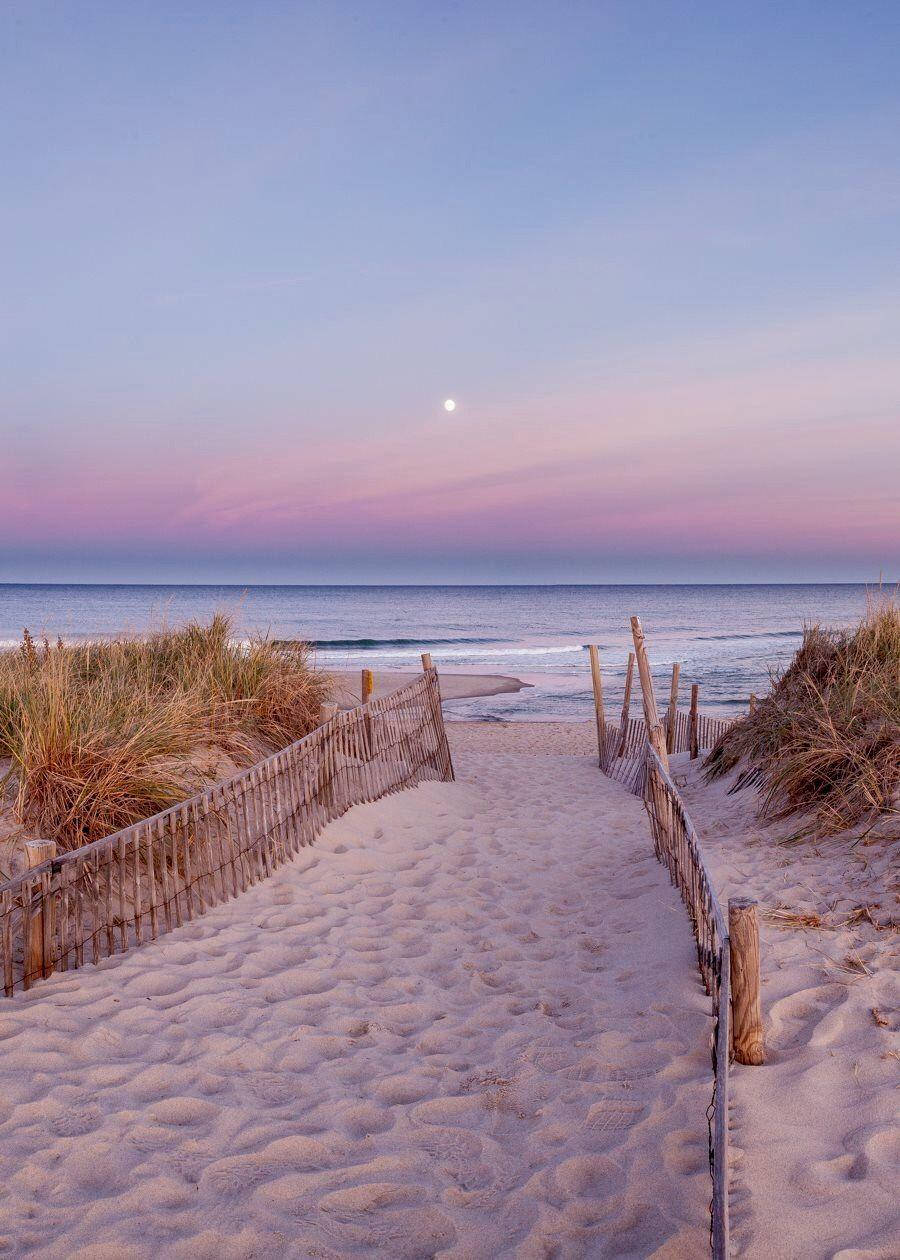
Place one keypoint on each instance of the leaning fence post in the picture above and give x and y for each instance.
(626, 702)
(746, 1008)
(695, 724)
(427, 663)
(38, 961)
(597, 683)
(655, 732)
(368, 686)
(673, 708)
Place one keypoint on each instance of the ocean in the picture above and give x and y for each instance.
(727, 638)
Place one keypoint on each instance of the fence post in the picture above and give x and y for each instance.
(673, 708)
(626, 702)
(655, 732)
(37, 961)
(427, 663)
(695, 725)
(597, 683)
(368, 682)
(746, 1008)
(752, 704)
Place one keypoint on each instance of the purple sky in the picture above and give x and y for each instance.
(651, 250)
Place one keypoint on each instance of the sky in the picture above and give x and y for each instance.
(652, 250)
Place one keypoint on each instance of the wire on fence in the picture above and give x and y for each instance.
(153, 876)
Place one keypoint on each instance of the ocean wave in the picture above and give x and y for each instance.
(499, 649)
(506, 653)
(379, 643)
(761, 634)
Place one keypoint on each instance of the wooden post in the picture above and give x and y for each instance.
(597, 683)
(673, 708)
(695, 723)
(368, 682)
(746, 1009)
(655, 733)
(752, 704)
(427, 663)
(38, 961)
(626, 701)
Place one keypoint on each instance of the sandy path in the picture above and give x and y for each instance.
(466, 1023)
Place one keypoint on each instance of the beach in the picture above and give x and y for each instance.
(450, 632)
(466, 1022)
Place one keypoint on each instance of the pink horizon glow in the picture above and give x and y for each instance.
(798, 458)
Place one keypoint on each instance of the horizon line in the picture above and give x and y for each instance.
(879, 583)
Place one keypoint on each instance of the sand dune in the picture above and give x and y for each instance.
(467, 1023)
(816, 1148)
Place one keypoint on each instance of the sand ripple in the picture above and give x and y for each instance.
(467, 1023)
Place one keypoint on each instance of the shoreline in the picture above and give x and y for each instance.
(453, 686)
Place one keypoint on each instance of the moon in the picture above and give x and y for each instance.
(449, 404)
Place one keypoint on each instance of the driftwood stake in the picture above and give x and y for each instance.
(695, 714)
(746, 1008)
(37, 962)
(673, 708)
(597, 683)
(655, 733)
(626, 702)
(426, 661)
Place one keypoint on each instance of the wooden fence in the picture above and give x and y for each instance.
(623, 751)
(126, 889)
(678, 848)
(627, 754)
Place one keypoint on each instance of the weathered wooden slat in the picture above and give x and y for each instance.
(120, 873)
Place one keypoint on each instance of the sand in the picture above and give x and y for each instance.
(453, 686)
(814, 1131)
(466, 1023)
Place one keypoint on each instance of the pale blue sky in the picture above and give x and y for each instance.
(249, 249)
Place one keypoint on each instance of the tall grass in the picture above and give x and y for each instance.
(101, 735)
(827, 737)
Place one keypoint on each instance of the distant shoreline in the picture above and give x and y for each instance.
(453, 686)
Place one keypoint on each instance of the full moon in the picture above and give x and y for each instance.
(449, 405)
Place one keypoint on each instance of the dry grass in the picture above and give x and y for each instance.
(827, 737)
(783, 916)
(101, 735)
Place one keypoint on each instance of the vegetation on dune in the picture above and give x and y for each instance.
(827, 737)
(101, 735)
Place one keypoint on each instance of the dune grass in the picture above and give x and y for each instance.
(826, 740)
(101, 735)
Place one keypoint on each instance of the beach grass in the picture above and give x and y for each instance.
(100, 735)
(826, 740)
